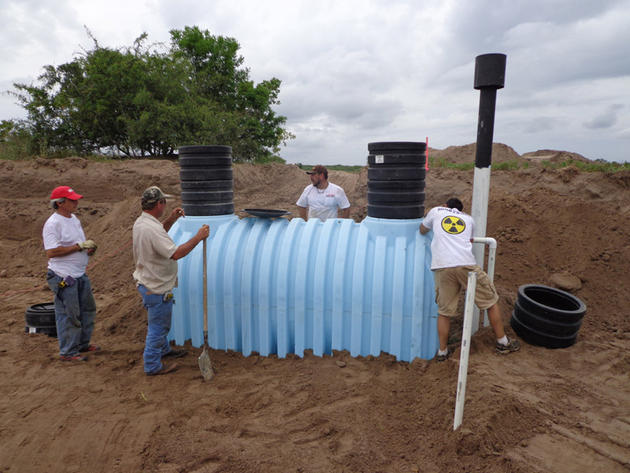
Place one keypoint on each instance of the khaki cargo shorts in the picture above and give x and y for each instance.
(450, 281)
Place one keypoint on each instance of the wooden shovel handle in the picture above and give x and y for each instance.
(205, 289)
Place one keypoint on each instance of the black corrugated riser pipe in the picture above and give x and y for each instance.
(206, 180)
(396, 174)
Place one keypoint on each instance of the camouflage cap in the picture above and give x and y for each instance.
(154, 194)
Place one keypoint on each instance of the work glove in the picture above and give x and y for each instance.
(87, 245)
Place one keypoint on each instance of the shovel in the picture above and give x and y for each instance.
(205, 365)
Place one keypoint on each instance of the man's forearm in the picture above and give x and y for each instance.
(185, 248)
(168, 223)
(62, 251)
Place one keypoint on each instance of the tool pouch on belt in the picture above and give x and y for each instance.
(68, 281)
(168, 297)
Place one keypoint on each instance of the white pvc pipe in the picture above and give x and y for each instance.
(479, 213)
(492, 250)
(465, 350)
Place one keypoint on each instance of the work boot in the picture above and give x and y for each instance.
(175, 354)
(166, 369)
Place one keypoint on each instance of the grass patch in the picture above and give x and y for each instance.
(510, 165)
(443, 163)
(594, 166)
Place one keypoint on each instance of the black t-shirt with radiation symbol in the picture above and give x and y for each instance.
(450, 244)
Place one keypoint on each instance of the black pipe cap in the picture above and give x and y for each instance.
(490, 71)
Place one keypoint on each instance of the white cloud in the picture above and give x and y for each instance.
(358, 71)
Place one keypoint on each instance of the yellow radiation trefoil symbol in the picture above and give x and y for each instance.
(453, 225)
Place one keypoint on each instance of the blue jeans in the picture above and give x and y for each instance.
(75, 310)
(159, 324)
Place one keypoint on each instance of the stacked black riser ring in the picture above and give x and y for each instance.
(40, 318)
(396, 179)
(206, 180)
(546, 316)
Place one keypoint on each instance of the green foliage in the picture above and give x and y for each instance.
(270, 159)
(593, 166)
(142, 101)
(510, 165)
(443, 163)
(15, 140)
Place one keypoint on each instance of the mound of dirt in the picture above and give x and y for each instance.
(538, 410)
(554, 156)
(466, 154)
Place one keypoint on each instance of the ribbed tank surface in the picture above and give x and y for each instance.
(280, 286)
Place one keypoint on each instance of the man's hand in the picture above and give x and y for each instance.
(203, 232)
(87, 245)
(176, 213)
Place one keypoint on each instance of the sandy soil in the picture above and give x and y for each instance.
(538, 410)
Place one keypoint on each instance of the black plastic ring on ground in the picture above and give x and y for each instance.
(535, 337)
(51, 331)
(551, 303)
(546, 326)
(39, 315)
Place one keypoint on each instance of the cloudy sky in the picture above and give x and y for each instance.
(357, 71)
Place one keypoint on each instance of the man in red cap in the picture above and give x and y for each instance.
(68, 252)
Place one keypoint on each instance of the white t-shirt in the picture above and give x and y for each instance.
(152, 251)
(323, 203)
(65, 231)
(452, 231)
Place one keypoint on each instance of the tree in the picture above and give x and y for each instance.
(141, 101)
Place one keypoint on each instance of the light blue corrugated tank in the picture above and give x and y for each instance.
(280, 286)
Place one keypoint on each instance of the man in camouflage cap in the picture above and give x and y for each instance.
(155, 255)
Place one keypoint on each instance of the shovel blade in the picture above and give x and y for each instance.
(205, 365)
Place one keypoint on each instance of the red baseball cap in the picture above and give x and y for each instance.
(64, 192)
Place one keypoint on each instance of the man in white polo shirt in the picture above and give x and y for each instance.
(156, 255)
(451, 261)
(322, 198)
